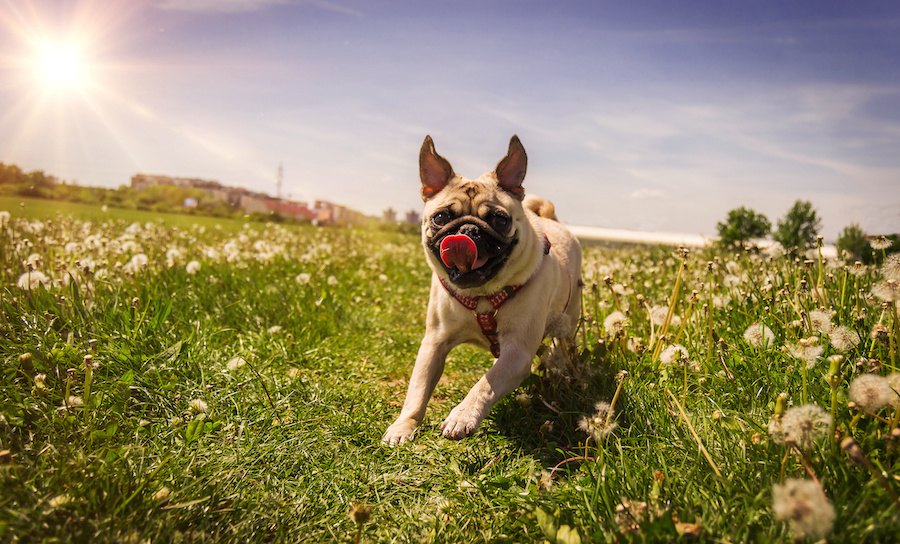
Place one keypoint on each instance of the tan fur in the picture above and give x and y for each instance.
(551, 295)
(541, 207)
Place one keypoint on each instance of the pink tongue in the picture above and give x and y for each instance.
(460, 252)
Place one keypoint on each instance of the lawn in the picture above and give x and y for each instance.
(204, 380)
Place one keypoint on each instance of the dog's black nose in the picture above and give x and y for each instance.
(470, 230)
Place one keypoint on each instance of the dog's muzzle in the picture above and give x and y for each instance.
(471, 251)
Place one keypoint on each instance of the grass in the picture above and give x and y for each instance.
(299, 377)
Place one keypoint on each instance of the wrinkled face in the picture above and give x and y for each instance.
(470, 227)
(470, 232)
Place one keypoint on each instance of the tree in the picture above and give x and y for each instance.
(854, 242)
(799, 226)
(741, 225)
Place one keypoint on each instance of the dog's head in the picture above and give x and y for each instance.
(471, 228)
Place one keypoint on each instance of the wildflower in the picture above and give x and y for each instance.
(844, 338)
(274, 329)
(804, 505)
(136, 263)
(871, 392)
(804, 425)
(820, 320)
(758, 335)
(332, 281)
(891, 267)
(4, 218)
(887, 290)
(524, 399)
(893, 380)
(382, 278)
(302, 278)
(658, 315)
(674, 353)
(31, 280)
(615, 324)
(192, 267)
(235, 363)
(198, 406)
(173, 254)
(880, 242)
(807, 350)
(601, 424)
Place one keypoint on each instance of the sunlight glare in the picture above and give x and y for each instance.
(60, 67)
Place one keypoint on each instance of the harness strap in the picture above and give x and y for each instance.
(487, 321)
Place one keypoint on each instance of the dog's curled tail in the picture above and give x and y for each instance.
(540, 206)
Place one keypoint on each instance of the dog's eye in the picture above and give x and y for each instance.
(499, 221)
(440, 219)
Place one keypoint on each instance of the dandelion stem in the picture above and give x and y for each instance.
(672, 302)
(690, 426)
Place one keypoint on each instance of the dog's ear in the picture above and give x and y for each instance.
(434, 170)
(510, 171)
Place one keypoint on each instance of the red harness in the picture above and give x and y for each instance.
(488, 320)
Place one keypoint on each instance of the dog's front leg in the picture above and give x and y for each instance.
(513, 366)
(425, 375)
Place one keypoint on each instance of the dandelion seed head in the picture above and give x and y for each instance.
(880, 242)
(614, 324)
(891, 267)
(198, 406)
(844, 338)
(235, 363)
(332, 281)
(302, 278)
(803, 504)
(601, 423)
(805, 425)
(820, 320)
(32, 280)
(4, 218)
(871, 392)
(674, 354)
(658, 315)
(887, 290)
(759, 335)
(807, 350)
(893, 380)
(192, 267)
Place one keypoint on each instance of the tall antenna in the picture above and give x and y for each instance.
(279, 178)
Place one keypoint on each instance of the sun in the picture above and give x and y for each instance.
(61, 67)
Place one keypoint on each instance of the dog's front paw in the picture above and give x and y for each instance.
(399, 432)
(461, 422)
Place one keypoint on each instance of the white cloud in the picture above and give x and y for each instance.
(245, 6)
(217, 6)
(645, 193)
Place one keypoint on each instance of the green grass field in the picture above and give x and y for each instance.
(241, 376)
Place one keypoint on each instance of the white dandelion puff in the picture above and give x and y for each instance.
(803, 504)
(843, 338)
(759, 335)
(871, 392)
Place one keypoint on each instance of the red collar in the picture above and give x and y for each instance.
(488, 320)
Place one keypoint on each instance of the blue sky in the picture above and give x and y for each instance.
(642, 115)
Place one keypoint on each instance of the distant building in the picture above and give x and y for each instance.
(321, 213)
(389, 215)
(412, 218)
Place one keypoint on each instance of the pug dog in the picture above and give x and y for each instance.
(505, 275)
